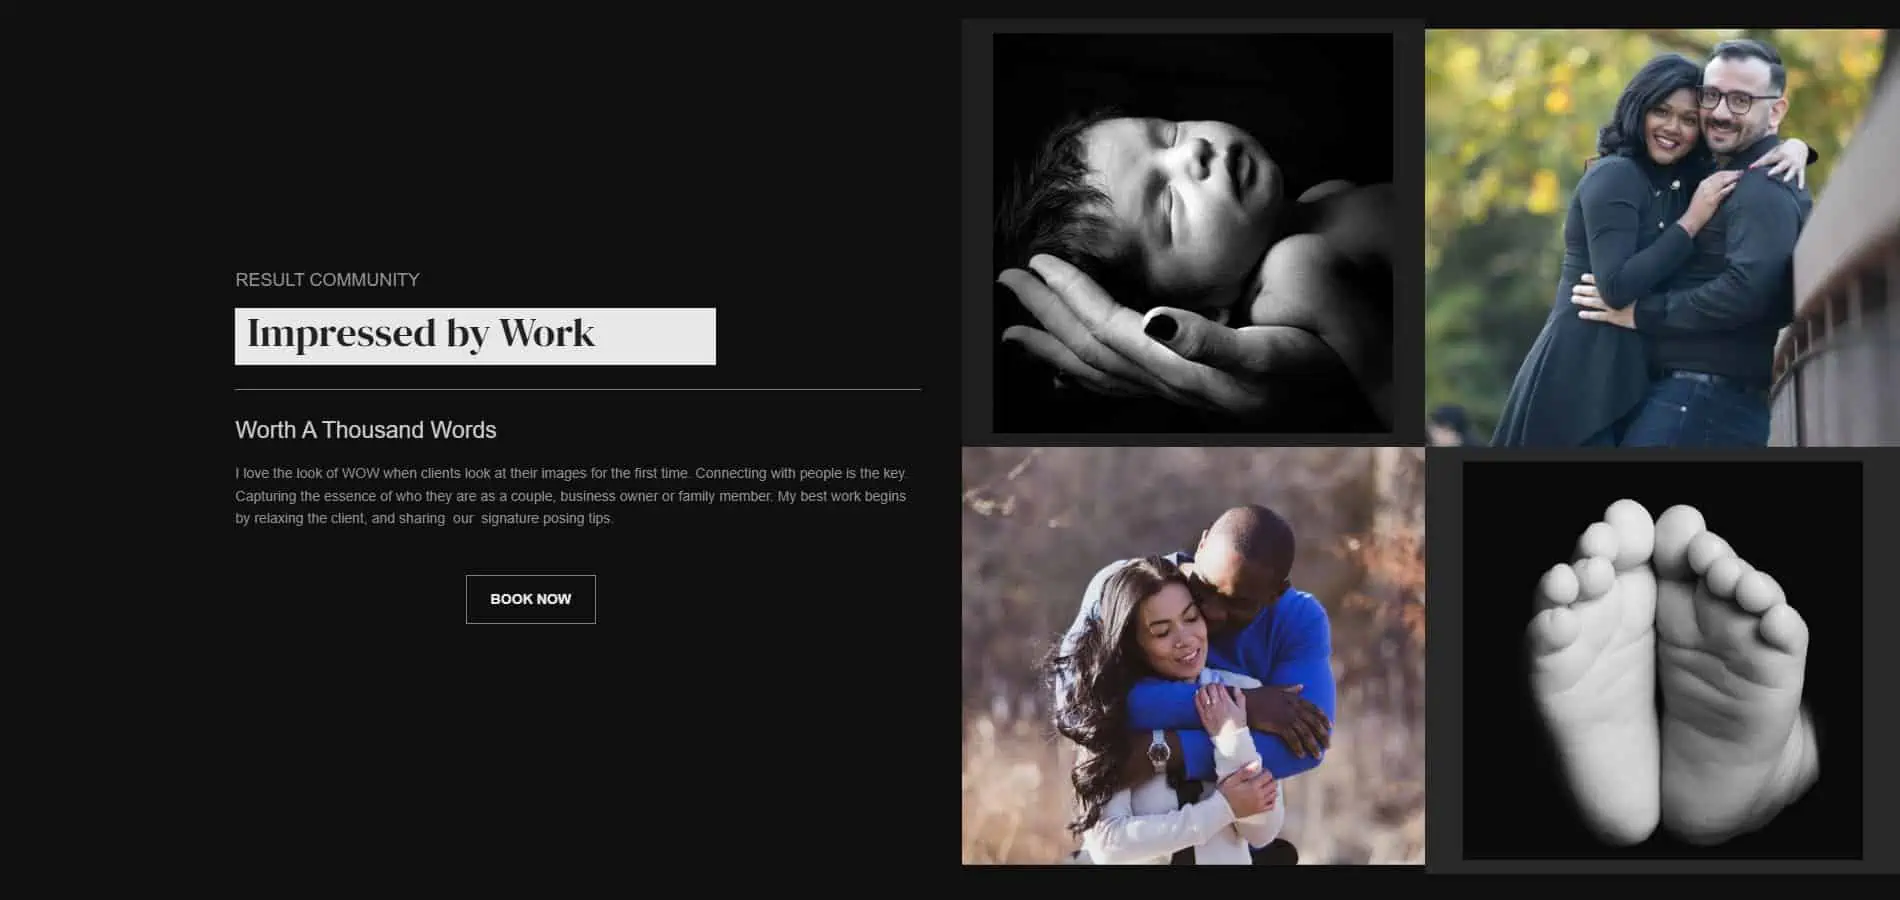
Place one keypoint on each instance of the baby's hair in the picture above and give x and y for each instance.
(1052, 208)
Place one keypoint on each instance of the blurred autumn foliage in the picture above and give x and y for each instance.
(1510, 118)
(1038, 522)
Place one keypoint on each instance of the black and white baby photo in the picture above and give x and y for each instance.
(1662, 659)
(1192, 234)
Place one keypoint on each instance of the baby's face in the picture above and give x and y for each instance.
(1197, 198)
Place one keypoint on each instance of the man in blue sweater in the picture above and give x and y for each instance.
(1258, 625)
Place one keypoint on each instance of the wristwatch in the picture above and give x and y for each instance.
(1158, 752)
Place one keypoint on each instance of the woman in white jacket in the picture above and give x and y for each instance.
(1148, 624)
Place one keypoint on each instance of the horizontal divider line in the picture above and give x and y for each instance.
(576, 389)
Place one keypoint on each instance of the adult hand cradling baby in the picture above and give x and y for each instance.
(1172, 353)
(1304, 331)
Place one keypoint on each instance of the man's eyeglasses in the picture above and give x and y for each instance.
(1738, 101)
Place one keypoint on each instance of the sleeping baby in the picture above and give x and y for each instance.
(1192, 215)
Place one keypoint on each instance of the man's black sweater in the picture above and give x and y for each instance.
(1721, 313)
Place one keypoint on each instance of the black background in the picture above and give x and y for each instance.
(1320, 104)
(563, 162)
(525, 184)
(1523, 517)
(786, 169)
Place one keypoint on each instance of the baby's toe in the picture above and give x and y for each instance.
(1635, 533)
(1675, 528)
(1595, 577)
(1758, 592)
(1705, 549)
(1598, 541)
(1784, 629)
(1724, 574)
(1558, 586)
(1554, 629)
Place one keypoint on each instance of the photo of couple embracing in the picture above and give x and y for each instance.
(1200, 690)
(1629, 233)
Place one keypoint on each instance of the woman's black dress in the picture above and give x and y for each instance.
(1581, 376)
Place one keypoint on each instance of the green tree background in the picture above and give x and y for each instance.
(1510, 118)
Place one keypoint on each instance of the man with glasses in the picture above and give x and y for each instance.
(1711, 331)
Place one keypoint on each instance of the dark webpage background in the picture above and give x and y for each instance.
(584, 179)
(781, 172)
(750, 410)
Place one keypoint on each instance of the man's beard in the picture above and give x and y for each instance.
(1742, 136)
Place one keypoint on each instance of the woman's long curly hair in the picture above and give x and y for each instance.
(1093, 678)
(1623, 135)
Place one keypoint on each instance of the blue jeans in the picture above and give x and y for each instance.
(1681, 412)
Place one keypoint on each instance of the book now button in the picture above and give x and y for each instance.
(529, 598)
